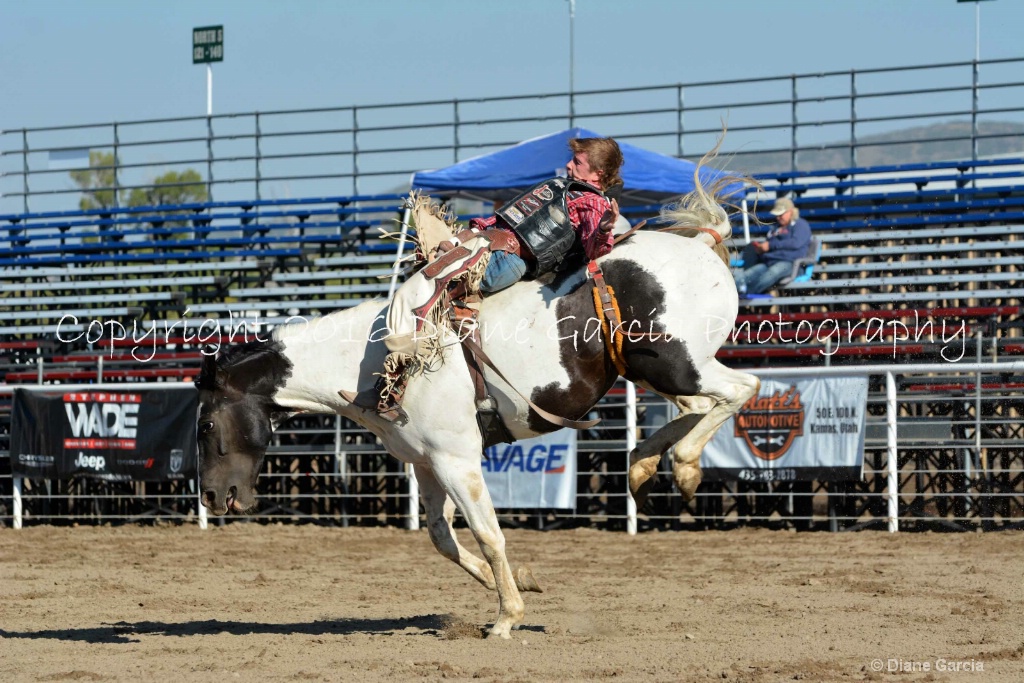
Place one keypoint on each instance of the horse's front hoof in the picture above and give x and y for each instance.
(525, 581)
(500, 632)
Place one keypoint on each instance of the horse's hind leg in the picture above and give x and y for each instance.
(464, 482)
(646, 457)
(729, 389)
(440, 513)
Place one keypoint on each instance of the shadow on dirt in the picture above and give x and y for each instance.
(128, 632)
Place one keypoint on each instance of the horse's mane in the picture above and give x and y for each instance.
(703, 207)
(253, 364)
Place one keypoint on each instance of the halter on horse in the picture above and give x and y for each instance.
(676, 296)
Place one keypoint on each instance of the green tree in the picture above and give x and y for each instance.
(171, 188)
(97, 181)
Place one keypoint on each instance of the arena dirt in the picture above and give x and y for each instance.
(250, 602)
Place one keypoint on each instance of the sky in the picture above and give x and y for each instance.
(91, 61)
(80, 61)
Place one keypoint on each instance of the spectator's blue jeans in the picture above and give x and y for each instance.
(760, 277)
(504, 270)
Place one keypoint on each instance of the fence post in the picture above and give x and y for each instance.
(258, 155)
(401, 250)
(16, 485)
(341, 469)
(209, 157)
(413, 522)
(853, 119)
(746, 221)
(792, 129)
(24, 168)
(892, 454)
(200, 508)
(974, 111)
(680, 122)
(630, 445)
(977, 435)
(117, 185)
(455, 126)
(355, 150)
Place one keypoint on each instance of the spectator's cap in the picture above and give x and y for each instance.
(782, 205)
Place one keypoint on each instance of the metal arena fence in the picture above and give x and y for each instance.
(934, 459)
(836, 119)
(957, 458)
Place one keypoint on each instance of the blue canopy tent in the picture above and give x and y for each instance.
(647, 176)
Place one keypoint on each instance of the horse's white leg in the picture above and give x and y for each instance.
(440, 512)
(464, 481)
(729, 389)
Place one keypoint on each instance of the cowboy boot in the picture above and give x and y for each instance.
(385, 397)
(392, 384)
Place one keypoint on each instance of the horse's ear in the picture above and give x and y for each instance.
(207, 379)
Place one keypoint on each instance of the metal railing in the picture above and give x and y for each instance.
(789, 122)
(932, 459)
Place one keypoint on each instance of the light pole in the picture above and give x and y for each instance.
(572, 66)
(977, 27)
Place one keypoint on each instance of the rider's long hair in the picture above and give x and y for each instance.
(603, 154)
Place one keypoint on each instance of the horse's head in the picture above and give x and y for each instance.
(236, 417)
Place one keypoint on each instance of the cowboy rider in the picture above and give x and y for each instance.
(528, 237)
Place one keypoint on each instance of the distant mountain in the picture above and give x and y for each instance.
(907, 146)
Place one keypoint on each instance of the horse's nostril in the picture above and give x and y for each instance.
(209, 498)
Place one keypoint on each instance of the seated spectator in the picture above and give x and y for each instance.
(765, 262)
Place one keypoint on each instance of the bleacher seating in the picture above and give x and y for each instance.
(131, 288)
(924, 240)
(896, 248)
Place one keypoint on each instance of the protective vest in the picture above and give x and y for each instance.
(540, 218)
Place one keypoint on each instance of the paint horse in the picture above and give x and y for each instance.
(677, 303)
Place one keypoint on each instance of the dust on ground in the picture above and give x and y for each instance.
(310, 603)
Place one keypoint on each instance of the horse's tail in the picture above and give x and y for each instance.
(700, 214)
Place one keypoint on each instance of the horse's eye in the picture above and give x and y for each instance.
(205, 427)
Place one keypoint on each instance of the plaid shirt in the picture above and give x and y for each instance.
(585, 211)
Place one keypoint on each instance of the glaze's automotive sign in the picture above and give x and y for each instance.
(533, 473)
(130, 435)
(798, 429)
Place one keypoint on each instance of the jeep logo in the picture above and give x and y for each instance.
(91, 462)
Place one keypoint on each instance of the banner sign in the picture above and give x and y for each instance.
(130, 435)
(793, 430)
(533, 473)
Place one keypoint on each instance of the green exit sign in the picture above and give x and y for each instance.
(207, 44)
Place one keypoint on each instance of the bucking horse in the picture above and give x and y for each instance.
(547, 351)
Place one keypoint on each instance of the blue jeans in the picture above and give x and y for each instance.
(760, 277)
(504, 270)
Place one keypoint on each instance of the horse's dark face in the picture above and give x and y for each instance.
(234, 432)
(235, 425)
